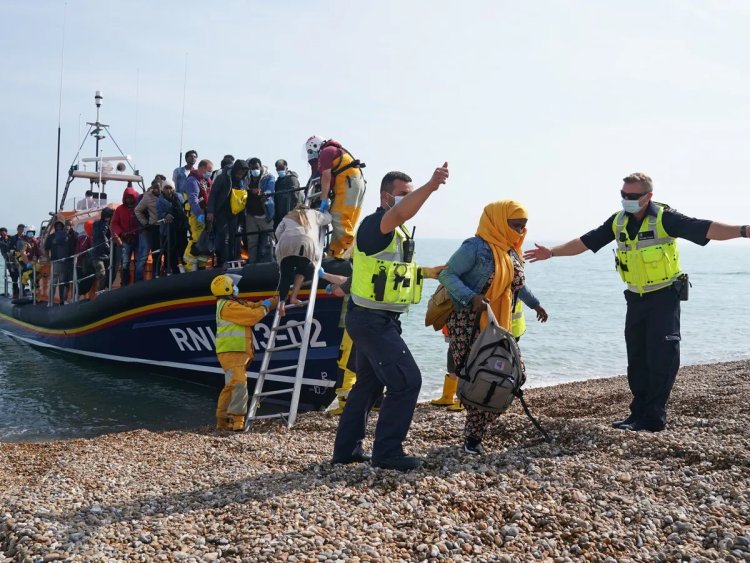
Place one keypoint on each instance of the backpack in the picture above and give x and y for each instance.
(494, 374)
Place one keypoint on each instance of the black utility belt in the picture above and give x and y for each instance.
(352, 305)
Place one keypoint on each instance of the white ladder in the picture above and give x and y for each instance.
(289, 416)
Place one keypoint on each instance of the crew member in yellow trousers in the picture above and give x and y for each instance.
(235, 319)
(342, 173)
(196, 192)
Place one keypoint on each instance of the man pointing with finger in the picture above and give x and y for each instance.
(385, 281)
(648, 262)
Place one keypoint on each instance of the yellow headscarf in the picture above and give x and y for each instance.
(493, 229)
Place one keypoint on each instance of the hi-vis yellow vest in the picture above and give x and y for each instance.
(230, 337)
(384, 281)
(518, 324)
(651, 261)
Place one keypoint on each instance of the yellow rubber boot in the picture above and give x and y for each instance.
(456, 407)
(450, 384)
(340, 409)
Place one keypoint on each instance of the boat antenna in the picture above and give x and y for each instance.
(182, 124)
(135, 134)
(59, 108)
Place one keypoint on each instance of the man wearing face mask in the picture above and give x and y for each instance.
(259, 212)
(385, 281)
(196, 189)
(287, 193)
(648, 262)
(235, 319)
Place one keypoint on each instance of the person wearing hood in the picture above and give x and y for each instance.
(486, 268)
(196, 189)
(287, 193)
(219, 212)
(102, 236)
(342, 173)
(170, 208)
(259, 212)
(224, 167)
(125, 232)
(61, 246)
(149, 240)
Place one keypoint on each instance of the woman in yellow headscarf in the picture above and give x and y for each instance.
(487, 268)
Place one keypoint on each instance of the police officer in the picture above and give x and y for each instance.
(648, 263)
(385, 281)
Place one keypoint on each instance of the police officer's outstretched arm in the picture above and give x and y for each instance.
(570, 248)
(413, 201)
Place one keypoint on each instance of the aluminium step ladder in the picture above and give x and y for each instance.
(295, 389)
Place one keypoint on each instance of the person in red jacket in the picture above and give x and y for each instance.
(124, 229)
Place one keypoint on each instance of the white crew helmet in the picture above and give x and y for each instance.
(312, 147)
(30, 231)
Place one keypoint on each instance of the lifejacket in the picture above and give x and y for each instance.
(202, 197)
(384, 280)
(650, 262)
(344, 166)
(230, 337)
(518, 320)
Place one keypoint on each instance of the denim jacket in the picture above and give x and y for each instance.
(468, 271)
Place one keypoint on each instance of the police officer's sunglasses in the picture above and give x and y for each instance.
(632, 197)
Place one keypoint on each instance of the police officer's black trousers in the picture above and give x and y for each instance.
(652, 337)
(383, 360)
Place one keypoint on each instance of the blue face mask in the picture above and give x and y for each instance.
(281, 173)
(235, 290)
(630, 206)
(255, 172)
(207, 175)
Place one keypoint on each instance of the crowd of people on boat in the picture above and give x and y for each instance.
(204, 215)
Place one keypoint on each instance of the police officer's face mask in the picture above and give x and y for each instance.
(396, 199)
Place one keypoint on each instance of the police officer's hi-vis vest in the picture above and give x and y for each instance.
(384, 281)
(230, 337)
(651, 261)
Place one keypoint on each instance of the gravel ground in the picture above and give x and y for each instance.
(595, 494)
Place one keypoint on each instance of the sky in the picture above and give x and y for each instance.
(550, 103)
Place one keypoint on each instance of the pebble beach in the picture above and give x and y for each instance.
(594, 494)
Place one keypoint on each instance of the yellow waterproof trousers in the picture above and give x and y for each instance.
(232, 406)
(346, 365)
(194, 262)
(349, 191)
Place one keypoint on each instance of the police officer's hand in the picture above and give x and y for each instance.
(538, 253)
(168, 218)
(440, 176)
(479, 303)
(541, 314)
(210, 218)
(432, 272)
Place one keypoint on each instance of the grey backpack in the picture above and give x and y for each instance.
(493, 374)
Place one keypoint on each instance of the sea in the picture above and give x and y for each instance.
(45, 395)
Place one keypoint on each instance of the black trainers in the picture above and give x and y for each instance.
(357, 457)
(620, 423)
(473, 446)
(399, 462)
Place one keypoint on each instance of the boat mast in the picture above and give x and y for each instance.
(59, 110)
